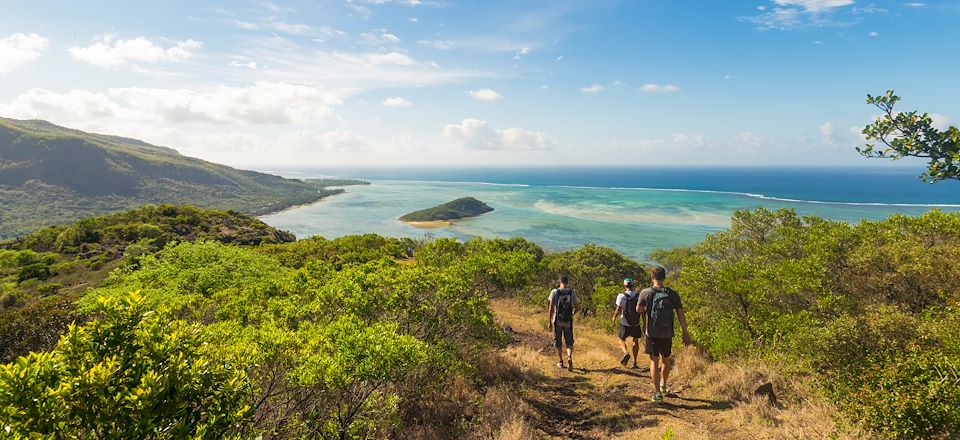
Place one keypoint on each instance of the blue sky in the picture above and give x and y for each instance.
(399, 82)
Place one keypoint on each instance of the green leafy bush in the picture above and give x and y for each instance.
(133, 373)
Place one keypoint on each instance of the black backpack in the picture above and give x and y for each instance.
(564, 311)
(630, 316)
(660, 308)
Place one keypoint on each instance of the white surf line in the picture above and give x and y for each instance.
(702, 191)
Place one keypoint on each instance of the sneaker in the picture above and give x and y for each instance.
(657, 398)
(664, 389)
(625, 359)
(635, 366)
(560, 365)
(569, 364)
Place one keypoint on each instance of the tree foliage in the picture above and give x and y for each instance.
(908, 134)
(871, 307)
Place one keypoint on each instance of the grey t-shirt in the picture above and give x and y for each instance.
(646, 297)
(553, 302)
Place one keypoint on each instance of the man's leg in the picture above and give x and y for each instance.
(636, 349)
(667, 364)
(623, 345)
(557, 341)
(569, 338)
(655, 372)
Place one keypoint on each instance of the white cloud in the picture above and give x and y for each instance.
(378, 37)
(438, 44)
(940, 122)
(108, 52)
(520, 53)
(873, 34)
(397, 102)
(815, 5)
(914, 5)
(690, 140)
(260, 103)
(479, 135)
(244, 25)
(826, 129)
(19, 49)
(290, 28)
(800, 14)
(659, 88)
(594, 88)
(396, 58)
(488, 95)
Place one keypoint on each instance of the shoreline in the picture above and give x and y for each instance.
(301, 205)
(430, 224)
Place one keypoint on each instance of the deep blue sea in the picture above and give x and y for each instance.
(633, 210)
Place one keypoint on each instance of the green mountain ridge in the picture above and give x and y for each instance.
(54, 175)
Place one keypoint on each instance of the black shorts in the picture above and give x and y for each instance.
(658, 346)
(565, 332)
(630, 331)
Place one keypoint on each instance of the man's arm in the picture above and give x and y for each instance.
(550, 313)
(616, 313)
(683, 325)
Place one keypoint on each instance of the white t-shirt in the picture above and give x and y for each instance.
(622, 298)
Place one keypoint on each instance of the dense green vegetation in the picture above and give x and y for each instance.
(455, 209)
(42, 274)
(873, 309)
(907, 134)
(52, 175)
(367, 336)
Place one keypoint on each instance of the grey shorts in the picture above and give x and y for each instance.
(563, 332)
(630, 331)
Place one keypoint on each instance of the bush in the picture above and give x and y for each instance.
(133, 374)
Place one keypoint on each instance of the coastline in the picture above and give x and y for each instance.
(301, 205)
(430, 224)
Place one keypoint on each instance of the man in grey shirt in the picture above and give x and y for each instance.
(563, 305)
(657, 305)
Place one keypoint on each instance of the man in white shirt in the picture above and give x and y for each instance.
(630, 324)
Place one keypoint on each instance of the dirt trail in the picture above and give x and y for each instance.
(600, 399)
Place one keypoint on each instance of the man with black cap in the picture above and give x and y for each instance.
(630, 326)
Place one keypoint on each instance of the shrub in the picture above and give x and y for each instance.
(133, 374)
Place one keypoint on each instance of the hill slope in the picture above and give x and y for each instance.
(54, 175)
(460, 208)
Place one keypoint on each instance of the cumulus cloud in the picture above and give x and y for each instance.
(594, 88)
(479, 135)
(108, 52)
(397, 102)
(260, 103)
(488, 95)
(659, 88)
(940, 122)
(691, 140)
(19, 49)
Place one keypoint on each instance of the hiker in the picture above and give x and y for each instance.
(629, 318)
(657, 305)
(563, 305)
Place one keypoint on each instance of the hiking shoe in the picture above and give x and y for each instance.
(625, 359)
(664, 389)
(657, 398)
(635, 366)
(560, 364)
(569, 364)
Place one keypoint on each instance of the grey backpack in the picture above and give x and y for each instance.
(660, 308)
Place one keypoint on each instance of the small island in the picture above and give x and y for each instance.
(440, 216)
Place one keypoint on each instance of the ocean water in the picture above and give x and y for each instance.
(633, 210)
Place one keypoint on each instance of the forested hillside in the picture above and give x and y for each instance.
(55, 175)
(198, 333)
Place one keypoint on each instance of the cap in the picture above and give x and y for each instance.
(628, 281)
